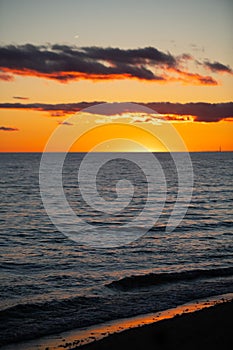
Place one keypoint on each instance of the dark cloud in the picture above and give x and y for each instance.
(133, 56)
(62, 62)
(201, 112)
(7, 128)
(66, 63)
(55, 110)
(20, 98)
(218, 67)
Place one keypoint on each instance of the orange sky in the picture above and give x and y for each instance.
(123, 53)
(37, 127)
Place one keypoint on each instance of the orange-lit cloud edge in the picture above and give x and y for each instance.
(65, 63)
(183, 77)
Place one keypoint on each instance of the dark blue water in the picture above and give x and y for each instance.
(54, 283)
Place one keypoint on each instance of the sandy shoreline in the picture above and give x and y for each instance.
(205, 329)
(129, 330)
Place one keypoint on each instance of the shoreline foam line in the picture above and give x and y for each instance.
(77, 337)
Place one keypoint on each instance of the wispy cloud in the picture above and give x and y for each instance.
(65, 63)
(65, 123)
(199, 111)
(20, 98)
(55, 110)
(7, 128)
(218, 67)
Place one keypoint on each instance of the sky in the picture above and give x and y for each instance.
(58, 57)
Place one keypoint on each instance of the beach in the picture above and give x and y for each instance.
(205, 329)
(204, 321)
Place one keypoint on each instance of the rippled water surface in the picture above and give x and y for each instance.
(70, 284)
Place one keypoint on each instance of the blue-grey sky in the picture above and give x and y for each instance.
(204, 26)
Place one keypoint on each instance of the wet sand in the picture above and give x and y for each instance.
(209, 328)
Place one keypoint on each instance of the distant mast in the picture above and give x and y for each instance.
(220, 149)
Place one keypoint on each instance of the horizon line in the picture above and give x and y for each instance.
(41, 152)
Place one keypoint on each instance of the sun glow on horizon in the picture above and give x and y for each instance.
(117, 137)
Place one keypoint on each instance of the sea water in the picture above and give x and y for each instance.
(50, 283)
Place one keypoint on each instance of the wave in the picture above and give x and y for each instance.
(51, 305)
(152, 279)
(35, 319)
(46, 317)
